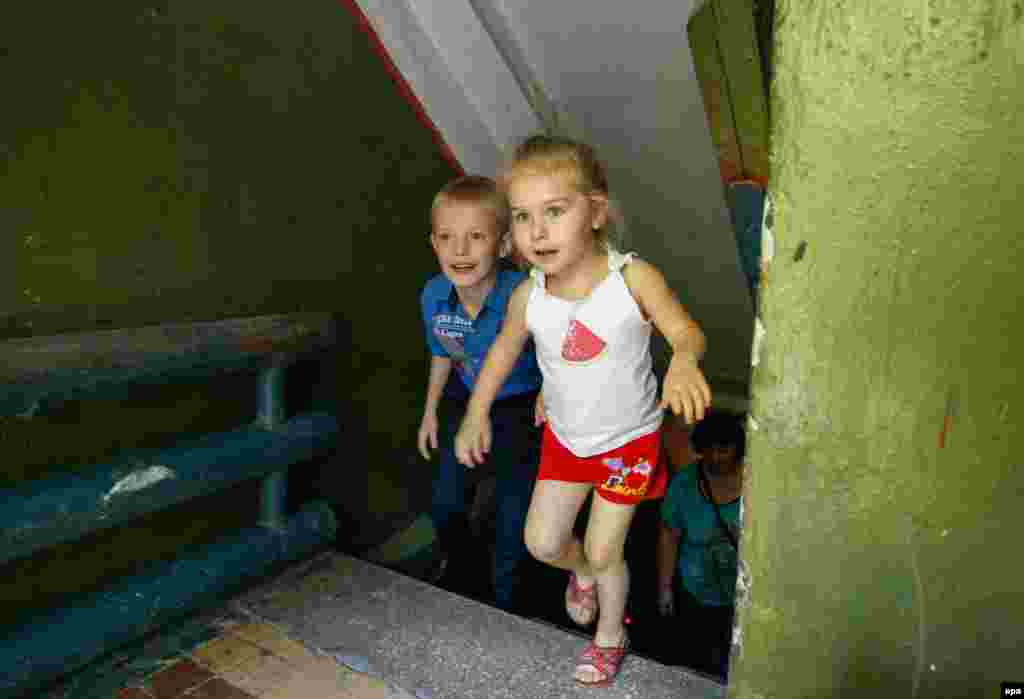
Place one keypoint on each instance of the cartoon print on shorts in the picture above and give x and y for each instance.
(632, 480)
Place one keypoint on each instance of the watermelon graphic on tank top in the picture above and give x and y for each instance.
(581, 344)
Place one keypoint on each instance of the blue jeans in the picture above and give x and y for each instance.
(513, 459)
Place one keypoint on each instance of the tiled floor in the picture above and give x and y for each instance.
(255, 660)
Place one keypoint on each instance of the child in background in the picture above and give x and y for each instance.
(698, 538)
(463, 309)
(589, 310)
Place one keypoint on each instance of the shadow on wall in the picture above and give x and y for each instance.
(189, 162)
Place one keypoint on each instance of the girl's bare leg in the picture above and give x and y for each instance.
(549, 523)
(604, 551)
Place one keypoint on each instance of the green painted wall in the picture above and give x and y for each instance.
(174, 161)
(882, 551)
(724, 41)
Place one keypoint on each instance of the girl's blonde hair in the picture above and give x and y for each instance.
(547, 154)
(475, 189)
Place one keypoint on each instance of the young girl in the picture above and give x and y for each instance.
(589, 310)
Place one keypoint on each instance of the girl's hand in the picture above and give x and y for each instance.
(473, 440)
(427, 435)
(685, 390)
(538, 411)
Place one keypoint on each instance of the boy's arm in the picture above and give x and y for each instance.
(426, 437)
(502, 356)
(440, 368)
(440, 362)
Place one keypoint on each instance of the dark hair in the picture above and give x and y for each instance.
(720, 429)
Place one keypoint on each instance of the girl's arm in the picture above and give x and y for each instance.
(502, 356)
(659, 303)
(685, 389)
(474, 438)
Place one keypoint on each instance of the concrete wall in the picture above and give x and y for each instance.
(881, 552)
(195, 161)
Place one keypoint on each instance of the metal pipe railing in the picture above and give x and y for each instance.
(38, 373)
(68, 638)
(44, 513)
(271, 415)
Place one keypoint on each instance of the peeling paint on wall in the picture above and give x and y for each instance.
(759, 335)
(139, 480)
(743, 601)
(767, 234)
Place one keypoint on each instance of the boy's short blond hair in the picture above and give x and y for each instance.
(475, 189)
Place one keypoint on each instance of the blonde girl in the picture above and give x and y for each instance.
(589, 310)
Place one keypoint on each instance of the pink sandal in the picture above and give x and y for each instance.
(580, 603)
(607, 660)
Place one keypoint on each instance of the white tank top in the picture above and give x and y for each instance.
(600, 391)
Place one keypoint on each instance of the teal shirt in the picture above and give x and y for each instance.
(707, 561)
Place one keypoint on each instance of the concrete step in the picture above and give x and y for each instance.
(431, 643)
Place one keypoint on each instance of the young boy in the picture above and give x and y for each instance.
(463, 310)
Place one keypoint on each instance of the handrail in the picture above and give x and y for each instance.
(45, 513)
(37, 371)
(63, 640)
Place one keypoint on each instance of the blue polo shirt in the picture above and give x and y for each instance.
(451, 333)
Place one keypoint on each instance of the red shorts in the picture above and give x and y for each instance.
(627, 475)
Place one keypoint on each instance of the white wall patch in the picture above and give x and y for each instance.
(767, 236)
(137, 480)
(759, 334)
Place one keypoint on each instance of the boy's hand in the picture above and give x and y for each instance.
(685, 389)
(473, 441)
(538, 411)
(427, 435)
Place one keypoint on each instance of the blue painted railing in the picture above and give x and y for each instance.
(68, 638)
(37, 374)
